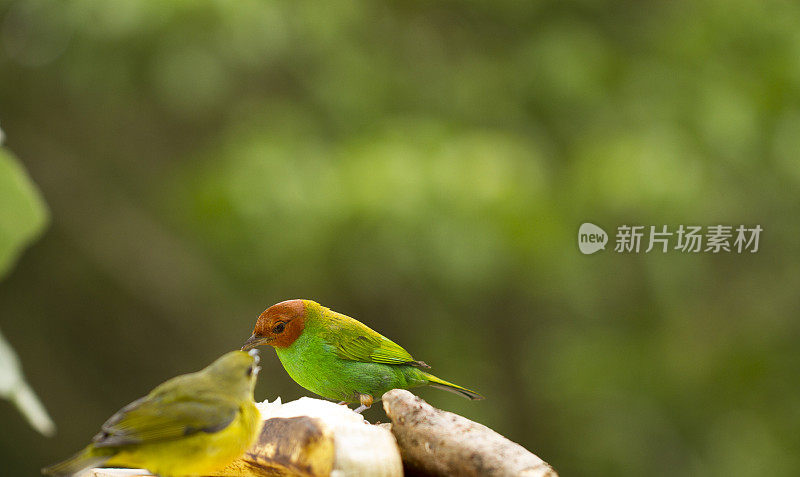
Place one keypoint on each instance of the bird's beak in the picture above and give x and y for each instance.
(255, 340)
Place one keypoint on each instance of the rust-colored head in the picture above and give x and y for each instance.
(279, 325)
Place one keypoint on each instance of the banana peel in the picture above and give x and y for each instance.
(315, 438)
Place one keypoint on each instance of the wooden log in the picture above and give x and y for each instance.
(436, 442)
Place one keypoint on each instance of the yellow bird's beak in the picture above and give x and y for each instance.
(254, 341)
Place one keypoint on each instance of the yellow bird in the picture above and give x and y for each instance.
(191, 425)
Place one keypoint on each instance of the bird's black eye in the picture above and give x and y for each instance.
(249, 371)
(278, 329)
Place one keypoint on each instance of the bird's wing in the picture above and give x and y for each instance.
(158, 418)
(355, 341)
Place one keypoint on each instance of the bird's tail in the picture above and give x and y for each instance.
(453, 388)
(85, 459)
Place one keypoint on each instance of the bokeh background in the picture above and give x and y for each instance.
(423, 167)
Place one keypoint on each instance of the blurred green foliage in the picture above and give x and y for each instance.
(23, 215)
(424, 167)
(22, 212)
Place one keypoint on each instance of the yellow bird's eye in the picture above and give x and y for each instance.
(278, 329)
(249, 371)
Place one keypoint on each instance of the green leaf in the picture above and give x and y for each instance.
(23, 213)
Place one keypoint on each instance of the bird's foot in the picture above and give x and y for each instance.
(366, 403)
(342, 403)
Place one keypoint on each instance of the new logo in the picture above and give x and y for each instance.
(591, 238)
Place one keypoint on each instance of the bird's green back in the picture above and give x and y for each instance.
(354, 340)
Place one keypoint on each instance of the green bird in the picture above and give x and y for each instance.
(340, 358)
(194, 424)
